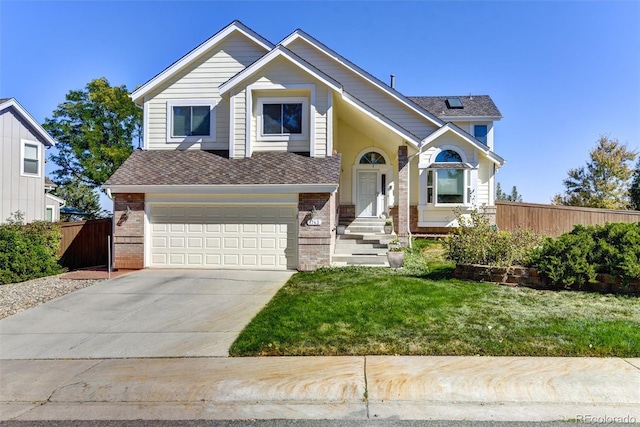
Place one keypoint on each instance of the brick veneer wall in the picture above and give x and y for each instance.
(529, 277)
(128, 237)
(400, 222)
(316, 243)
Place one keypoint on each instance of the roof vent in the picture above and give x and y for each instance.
(393, 81)
(454, 102)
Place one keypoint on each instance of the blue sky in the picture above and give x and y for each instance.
(561, 73)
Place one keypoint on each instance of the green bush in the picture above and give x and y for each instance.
(477, 241)
(575, 258)
(28, 251)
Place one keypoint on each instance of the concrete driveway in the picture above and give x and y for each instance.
(150, 313)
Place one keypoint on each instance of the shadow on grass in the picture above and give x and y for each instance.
(439, 272)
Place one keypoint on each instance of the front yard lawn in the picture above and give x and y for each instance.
(367, 311)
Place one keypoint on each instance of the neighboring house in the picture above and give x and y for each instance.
(253, 152)
(23, 185)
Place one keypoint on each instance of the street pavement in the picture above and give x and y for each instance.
(153, 345)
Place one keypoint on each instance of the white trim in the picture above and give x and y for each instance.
(39, 151)
(12, 102)
(145, 124)
(279, 51)
(362, 73)
(248, 118)
(224, 188)
(232, 128)
(306, 115)
(430, 140)
(211, 103)
(174, 68)
(329, 118)
(146, 229)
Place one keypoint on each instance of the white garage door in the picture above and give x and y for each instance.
(214, 236)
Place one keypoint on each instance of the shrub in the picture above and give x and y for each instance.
(575, 258)
(477, 241)
(28, 251)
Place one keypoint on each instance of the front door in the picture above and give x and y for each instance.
(367, 193)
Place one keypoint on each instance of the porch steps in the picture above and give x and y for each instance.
(363, 243)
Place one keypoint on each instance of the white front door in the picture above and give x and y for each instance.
(367, 194)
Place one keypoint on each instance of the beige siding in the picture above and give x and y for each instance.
(365, 91)
(299, 84)
(201, 81)
(23, 193)
(484, 181)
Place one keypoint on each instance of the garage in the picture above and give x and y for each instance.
(243, 236)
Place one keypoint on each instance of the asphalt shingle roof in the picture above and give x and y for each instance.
(198, 167)
(473, 106)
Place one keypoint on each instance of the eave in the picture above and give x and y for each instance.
(139, 94)
(46, 138)
(224, 189)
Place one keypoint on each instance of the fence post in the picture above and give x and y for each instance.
(109, 256)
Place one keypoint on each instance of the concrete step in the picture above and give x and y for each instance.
(372, 238)
(360, 250)
(361, 259)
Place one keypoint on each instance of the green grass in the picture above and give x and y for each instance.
(421, 310)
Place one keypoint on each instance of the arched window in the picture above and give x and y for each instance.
(448, 156)
(372, 158)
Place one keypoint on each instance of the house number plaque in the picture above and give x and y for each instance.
(314, 221)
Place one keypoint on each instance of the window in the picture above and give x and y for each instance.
(283, 118)
(280, 119)
(454, 102)
(448, 179)
(372, 158)
(49, 214)
(30, 158)
(191, 121)
(480, 133)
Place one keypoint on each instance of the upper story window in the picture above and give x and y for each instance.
(30, 165)
(280, 119)
(191, 120)
(283, 118)
(480, 133)
(372, 158)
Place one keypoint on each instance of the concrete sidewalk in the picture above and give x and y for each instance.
(372, 387)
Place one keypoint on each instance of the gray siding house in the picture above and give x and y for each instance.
(23, 185)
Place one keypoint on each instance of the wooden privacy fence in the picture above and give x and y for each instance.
(553, 220)
(84, 243)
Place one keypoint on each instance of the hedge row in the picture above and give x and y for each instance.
(28, 251)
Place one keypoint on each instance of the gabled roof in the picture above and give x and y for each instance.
(280, 52)
(170, 71)
(450, 127)
(46, 139)
(209, 168)
(473, 106)
(299, 34)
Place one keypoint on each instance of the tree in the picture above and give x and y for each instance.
(634, 190)
(80, 196)
(604, 181)
(94, 128)
(513, 197)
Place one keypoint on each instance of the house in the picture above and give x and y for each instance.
(254, 153)
(23, 185)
